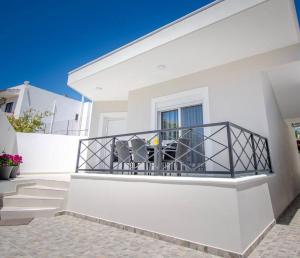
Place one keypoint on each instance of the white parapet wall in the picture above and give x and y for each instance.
(8, 139)
(47, 153)
(227, 214)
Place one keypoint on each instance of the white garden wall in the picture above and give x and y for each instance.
(47, 153)
(8, 140)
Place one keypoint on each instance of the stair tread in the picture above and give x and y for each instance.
(42, 187)
(8, 208)
(23, 196)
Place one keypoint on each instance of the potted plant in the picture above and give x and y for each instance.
(16, 160)
(6, 166)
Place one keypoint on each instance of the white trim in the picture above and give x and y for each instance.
(105, 117)
(239, 183)
(197, 96)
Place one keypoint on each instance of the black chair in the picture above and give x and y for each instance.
(169, 152)
(182, 153)
(123, 154)
(139, 152)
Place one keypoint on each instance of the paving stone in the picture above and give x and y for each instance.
(67, 236)
(283, 241)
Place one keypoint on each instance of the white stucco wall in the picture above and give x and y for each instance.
(200, 210)
(65, 110)
(100, 107)
(238, 92)
(43, 100)
(8, 139)
(286, 184)
(47, 153)
(235, 91)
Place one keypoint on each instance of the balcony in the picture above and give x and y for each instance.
(216, 150)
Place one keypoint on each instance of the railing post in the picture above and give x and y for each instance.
(231, 166)
(78, 156)
(253, 153)
(112, 155)
(268, 155)
(159, 154)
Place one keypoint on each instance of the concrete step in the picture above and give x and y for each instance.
(20, 200)
(52, 183)
(46, 191)
(10, 213)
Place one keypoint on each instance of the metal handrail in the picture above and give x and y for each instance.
(248, 152)
(172, 129)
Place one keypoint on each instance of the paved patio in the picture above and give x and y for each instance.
(66, 236)
(283, 241)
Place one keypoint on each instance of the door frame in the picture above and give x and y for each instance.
(198, 96)
(106, 117)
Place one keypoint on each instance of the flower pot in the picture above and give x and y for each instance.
(5, 172)
(15, 171)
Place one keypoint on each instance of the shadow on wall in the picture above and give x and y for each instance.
(8, 137)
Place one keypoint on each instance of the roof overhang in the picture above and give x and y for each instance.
(222, 32)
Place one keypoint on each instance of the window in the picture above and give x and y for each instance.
(76, 117)
(180, 117)
(296, 127)
(186, 116)
(169, 120)
(8, 107)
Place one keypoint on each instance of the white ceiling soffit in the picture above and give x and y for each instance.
(285, 81)
(225, 32)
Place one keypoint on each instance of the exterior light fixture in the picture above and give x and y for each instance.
(161, 67)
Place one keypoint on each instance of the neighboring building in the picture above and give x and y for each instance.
(68, 116)
(233, 60)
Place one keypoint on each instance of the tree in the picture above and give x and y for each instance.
(30, 122)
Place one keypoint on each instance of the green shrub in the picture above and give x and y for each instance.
(30, 122)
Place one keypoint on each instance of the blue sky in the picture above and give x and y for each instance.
(41, 41)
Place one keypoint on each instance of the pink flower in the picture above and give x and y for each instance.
(10, 160)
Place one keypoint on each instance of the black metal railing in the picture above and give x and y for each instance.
(219, 149)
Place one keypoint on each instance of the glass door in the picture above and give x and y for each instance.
(169, 120)
(193, 116)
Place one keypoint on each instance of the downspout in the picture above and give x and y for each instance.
(53, 117)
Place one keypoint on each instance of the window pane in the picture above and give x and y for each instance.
(169, 119)
(8, 107)
(193, 116)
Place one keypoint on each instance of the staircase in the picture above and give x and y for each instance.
(40, 198)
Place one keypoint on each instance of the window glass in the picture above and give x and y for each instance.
(296, 127)
(169, 119)
(8, 107)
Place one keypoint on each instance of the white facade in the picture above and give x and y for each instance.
(240, 65)
(68, 116)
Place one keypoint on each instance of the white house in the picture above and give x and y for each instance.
(68, 116)
(190, 138)
(232, 60)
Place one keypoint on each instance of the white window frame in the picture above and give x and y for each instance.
(198, 96)
(179, 100)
